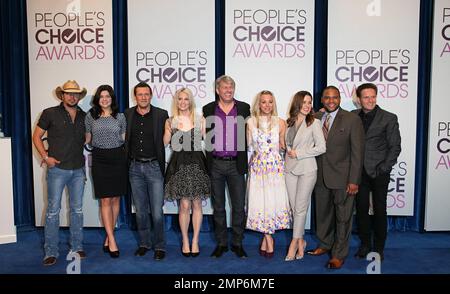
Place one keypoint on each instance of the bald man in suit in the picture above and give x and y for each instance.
(338, 177)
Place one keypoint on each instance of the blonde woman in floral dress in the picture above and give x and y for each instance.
(268, 202)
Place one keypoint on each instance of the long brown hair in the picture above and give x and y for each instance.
(296, 106)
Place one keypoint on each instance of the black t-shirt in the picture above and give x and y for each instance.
(65, 138)
(142, 138)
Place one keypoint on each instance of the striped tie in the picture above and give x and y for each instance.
(326, 125)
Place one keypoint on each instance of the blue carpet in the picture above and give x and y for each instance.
(406, 253)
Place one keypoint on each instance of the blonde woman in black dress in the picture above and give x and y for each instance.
(105, 131)
(186, 178)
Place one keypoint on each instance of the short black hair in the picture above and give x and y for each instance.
(331, 88)
(142, 85)
(366, 86)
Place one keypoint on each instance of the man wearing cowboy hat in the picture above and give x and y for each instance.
(64, 125)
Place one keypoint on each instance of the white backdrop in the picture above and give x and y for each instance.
(172, 45)
(67, 40)
(269, 45)
(437, 215)
(377, 41)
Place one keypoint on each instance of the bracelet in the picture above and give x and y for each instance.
(45, 157)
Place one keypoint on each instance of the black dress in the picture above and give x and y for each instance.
(186, 174)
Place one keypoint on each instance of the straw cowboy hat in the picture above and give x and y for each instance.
(70, 86)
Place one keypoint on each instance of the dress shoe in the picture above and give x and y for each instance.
(195, 254)
(362, 252)
(302, 250)
(82, 254)
(114, 254)
(335, 263)
(51, 260)
(219, 251)
(270, 254)
(141, 251)
(262, 252)
(159, 254)
(317, 252)
(239, 251)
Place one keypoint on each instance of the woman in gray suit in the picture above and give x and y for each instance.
(304, 141)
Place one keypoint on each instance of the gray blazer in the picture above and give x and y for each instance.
(309, 142)
(383, 143)
(342, 163)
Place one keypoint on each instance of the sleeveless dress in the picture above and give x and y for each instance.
(268, 202)
(186, 174)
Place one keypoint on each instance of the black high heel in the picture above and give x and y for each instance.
(114, 254)
(105, 248)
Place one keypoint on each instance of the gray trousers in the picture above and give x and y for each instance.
(299, 189)
(334, 213)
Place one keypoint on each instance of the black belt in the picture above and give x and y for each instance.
(143, 160)
(225, 158)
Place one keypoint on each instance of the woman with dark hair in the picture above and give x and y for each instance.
(304, 141)
(105, 131)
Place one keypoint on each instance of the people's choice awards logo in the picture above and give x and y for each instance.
(71, 34)
(396, 197)
(388, 69)
(443, 146)
(445, 32)
(271, 33)
(168, 71)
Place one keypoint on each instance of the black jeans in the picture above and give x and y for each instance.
(378, 221)
(225, 172)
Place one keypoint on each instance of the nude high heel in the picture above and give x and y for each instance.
(300, 256)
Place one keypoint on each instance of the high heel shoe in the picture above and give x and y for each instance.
(185, 254)
(300, 256)
(114, 254)
(290, 257)
(271, 254)
(195, 254)
(261, 251)
(106, 247)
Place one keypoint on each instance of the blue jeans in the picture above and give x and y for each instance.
(57, 180)
(147, 185)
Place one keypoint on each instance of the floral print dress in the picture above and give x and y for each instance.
(267, 199)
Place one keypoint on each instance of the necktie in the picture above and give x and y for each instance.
(326, 126)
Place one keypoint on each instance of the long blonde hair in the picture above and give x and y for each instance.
(256, 110)
(176, 111)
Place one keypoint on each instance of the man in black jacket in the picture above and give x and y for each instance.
(226, 155)
(382, 148)
(145, 148)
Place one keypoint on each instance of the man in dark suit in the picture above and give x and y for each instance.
(382, 148)
(226, 155)
(145, 148)
(338, 176)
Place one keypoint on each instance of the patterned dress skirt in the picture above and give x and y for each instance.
(187, 177)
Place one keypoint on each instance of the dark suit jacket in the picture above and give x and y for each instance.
(159, 117)
(243, 109)
(383, 143)
(342, 163)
